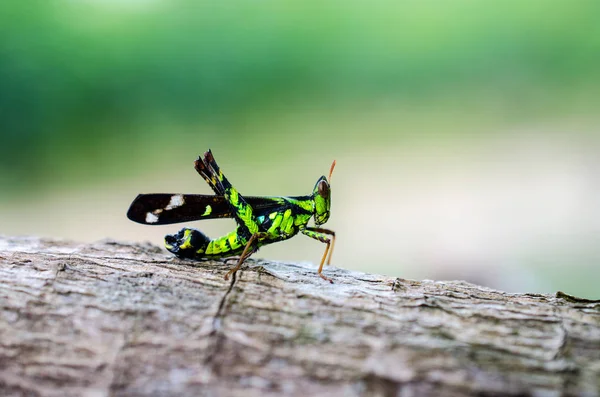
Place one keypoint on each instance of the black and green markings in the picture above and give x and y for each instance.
(260, 220)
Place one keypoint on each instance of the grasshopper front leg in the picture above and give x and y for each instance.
(322, 235)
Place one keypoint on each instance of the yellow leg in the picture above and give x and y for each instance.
(332, 245)
(320, 272)
(320, 234)
(245, 254)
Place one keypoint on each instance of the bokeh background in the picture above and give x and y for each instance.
(466, 132)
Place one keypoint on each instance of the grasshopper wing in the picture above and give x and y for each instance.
(168, 208)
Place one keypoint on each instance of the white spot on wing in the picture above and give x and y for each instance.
(176, 201)
(151, 218)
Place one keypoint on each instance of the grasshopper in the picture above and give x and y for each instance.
(261, 220)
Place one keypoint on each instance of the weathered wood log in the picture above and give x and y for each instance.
(128, 320)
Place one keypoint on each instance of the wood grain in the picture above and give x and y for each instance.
(118, 319)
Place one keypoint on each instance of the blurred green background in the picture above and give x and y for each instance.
(466, 132)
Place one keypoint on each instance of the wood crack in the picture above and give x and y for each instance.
(217, 325)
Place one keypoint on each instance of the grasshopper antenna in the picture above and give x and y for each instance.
(331, 171)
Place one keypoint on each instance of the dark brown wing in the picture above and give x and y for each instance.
(167, 208)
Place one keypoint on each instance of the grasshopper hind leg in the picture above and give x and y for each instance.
(251, 247)
(187, 243)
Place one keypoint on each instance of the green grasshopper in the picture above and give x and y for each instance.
(260, 220)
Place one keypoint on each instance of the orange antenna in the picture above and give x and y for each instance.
(331, 170)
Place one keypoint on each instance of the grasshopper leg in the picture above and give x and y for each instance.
(248, 250)
(329, 232)
(320, 272)
(243, 211)
(322, 235)
(206, 173)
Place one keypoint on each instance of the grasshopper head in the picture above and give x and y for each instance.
(322, 197)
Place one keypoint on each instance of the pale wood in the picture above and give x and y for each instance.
(124, 319)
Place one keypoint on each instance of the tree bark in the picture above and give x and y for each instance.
(121, 319)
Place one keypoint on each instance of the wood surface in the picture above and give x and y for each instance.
(119, 319)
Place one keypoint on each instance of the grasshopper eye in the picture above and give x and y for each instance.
(323, 189)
